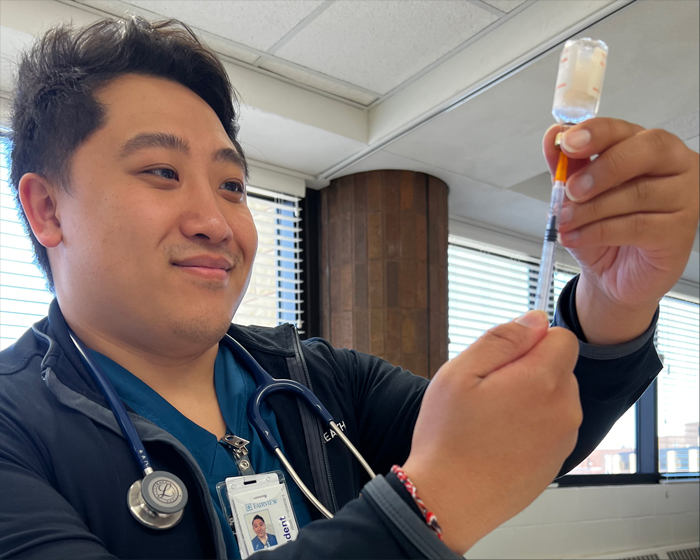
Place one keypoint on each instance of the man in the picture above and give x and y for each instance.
(262, 540)
(132, 184)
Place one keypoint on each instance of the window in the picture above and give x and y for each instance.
(678, 407)
(488, 287)
(273, 296)
(24, 298)
(274, 293)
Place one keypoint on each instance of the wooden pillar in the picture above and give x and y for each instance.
(384, 267)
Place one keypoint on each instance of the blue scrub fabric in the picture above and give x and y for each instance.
(234, 385)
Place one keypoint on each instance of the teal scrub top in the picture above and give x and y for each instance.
(234, 385)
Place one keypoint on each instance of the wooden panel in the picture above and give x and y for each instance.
(325, 298)
(376, 328)
(376, 284)
(384, 267)
(375, 240)
(374, 191)
(360, 280)
(361, 326)
(360, 227)
(406, 187)
(391, 236)
(407, 284)
(392, 283)
(392, 335)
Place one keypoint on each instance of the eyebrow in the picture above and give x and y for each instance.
(231, 156)
(149, 140)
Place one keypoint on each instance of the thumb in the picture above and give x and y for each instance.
(503, 344)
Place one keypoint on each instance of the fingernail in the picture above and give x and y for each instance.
(578, 186)
(568, 237)
(566, 215)
(575, 141)
(533, 319)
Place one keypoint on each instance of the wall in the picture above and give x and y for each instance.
(597, 521)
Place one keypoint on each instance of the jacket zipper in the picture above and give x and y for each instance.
(319, 432)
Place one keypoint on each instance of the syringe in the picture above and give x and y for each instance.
(544, 280)
(576, 98)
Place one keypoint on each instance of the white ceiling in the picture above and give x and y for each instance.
(460, 89)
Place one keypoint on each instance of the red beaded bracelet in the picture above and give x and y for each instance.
(430, 517)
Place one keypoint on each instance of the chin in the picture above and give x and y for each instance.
(202, 328)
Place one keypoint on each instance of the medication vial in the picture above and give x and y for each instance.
(579, 81)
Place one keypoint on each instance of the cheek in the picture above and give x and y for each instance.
(111, 233)
(246, 234)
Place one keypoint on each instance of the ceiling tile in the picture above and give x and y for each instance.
(504, 5)
(256, 23)
(318, 82)
(496, 136)
(379, 45)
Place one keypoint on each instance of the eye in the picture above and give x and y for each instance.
(164, 172)
(235, 187)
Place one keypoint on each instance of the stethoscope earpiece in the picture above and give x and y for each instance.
(158, 500)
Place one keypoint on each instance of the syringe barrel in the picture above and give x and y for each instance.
(544, 280)
(579, 80)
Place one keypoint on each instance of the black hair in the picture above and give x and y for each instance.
(55, 111)
(257, 517)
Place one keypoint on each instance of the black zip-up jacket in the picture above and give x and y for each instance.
(65, 467)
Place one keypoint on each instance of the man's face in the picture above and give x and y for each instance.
(259, 528)
(157, 239)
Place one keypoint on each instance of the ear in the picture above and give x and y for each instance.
(38, 198)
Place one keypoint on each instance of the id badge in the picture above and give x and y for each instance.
(259, 511)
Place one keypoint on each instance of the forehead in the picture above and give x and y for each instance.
(135, 103)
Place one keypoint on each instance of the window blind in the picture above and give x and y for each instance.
(677, 340)
(24, 298)
(273, 296)
(275, 290)
(486, 289)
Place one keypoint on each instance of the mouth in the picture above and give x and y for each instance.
(209, 267)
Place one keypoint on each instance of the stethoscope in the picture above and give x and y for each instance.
(159, 499)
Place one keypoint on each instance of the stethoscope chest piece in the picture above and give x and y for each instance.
(158, 501)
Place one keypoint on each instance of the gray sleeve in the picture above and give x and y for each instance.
(412, 528)
(613, 352)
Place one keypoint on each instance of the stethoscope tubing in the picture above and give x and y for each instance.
(118, 409)
(265, 386)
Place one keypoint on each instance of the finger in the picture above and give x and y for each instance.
(644, 194)
(640, 230)
(560, 348)
(551, 152)
(549, 362)
(650, 152)
(594, 136)
(502, 344)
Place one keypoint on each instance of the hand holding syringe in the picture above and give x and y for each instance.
(576, 99)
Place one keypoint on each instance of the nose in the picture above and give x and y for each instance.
(202, 217)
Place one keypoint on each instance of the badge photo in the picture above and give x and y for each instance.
(261, 511)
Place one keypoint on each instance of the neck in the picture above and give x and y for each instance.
(186, 381)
